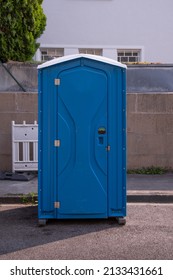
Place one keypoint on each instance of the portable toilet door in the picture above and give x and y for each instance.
(82, 138)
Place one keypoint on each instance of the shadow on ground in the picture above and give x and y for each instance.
(19, 229)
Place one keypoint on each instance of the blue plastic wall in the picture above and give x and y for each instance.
(86, 112)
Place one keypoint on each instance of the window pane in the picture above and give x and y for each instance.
(132, 59)
(91, 51)
(128, 53)
(124, 59)
(49, 53)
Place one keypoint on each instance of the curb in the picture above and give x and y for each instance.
(150, 196)
(132, 197)
(150, 199)
(16, 199)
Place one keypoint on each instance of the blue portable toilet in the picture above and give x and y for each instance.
(82, 138)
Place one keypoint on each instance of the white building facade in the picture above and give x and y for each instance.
(124, 30)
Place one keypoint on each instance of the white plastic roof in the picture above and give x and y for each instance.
(90, 56)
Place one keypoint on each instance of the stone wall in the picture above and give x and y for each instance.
(14, 106)
(149, 126)
(150, 130)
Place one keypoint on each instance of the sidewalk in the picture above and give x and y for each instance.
(150, 188)
(140, 188)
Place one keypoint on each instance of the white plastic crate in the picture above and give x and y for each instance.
(24, 147)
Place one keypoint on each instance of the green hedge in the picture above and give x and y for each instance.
(21, 23)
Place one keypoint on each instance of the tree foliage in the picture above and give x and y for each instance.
(21, 23)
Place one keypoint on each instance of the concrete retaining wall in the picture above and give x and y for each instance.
(150, 78)
(149, 126)
(140, 78)
(24, 73)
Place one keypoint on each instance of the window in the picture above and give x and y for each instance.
(91, 51)
(126, 56)
(50, 53)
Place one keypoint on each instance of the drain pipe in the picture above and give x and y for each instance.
(12, 76)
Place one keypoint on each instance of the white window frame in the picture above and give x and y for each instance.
(51, 52)
(94, 51)
(129, 55)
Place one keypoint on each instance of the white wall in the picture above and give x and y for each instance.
(111, 24)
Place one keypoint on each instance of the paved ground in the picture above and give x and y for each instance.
(140, 188)
(148, 234)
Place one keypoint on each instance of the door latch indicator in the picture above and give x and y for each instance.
(102, 130)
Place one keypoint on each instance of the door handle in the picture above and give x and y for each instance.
(101, 135)
(101, 140)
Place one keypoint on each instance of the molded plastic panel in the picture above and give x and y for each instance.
(82, 139)
(82, 158)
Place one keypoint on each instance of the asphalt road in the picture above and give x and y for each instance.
(148, 234)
